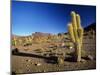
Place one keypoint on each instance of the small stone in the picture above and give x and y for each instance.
(44, 70)
(90, 57)
(82, 60)
(27, 65)
(38, 64)
(28, 60)
(70, 47)
(60, 60)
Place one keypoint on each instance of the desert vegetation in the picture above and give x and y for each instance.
(45, 52)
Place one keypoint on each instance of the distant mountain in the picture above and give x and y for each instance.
(90, 27)
(36, 35)
(40, 34)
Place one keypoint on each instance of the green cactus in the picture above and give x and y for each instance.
(76, 34)
(28, 41)
(14, 41)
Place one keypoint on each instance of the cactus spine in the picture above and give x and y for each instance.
(76, 34)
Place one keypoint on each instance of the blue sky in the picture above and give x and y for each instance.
(30, 17)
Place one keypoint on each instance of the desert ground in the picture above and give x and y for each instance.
(43, 56)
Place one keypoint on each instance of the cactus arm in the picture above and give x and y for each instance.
(80, 29)
(73, 15)
(78, 20)
(74, 24)
(71, 32)
(81, 35)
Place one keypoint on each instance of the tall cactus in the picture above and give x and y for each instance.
(14, 41)
(76, 34)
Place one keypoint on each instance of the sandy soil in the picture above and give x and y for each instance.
(37, 58)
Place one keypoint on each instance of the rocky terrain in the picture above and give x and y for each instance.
(40, 52)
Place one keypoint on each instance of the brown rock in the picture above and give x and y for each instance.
(90, 57)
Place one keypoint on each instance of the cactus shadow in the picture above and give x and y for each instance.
(70, 59)
(13, 73)
(50, 59)
(53, 60)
